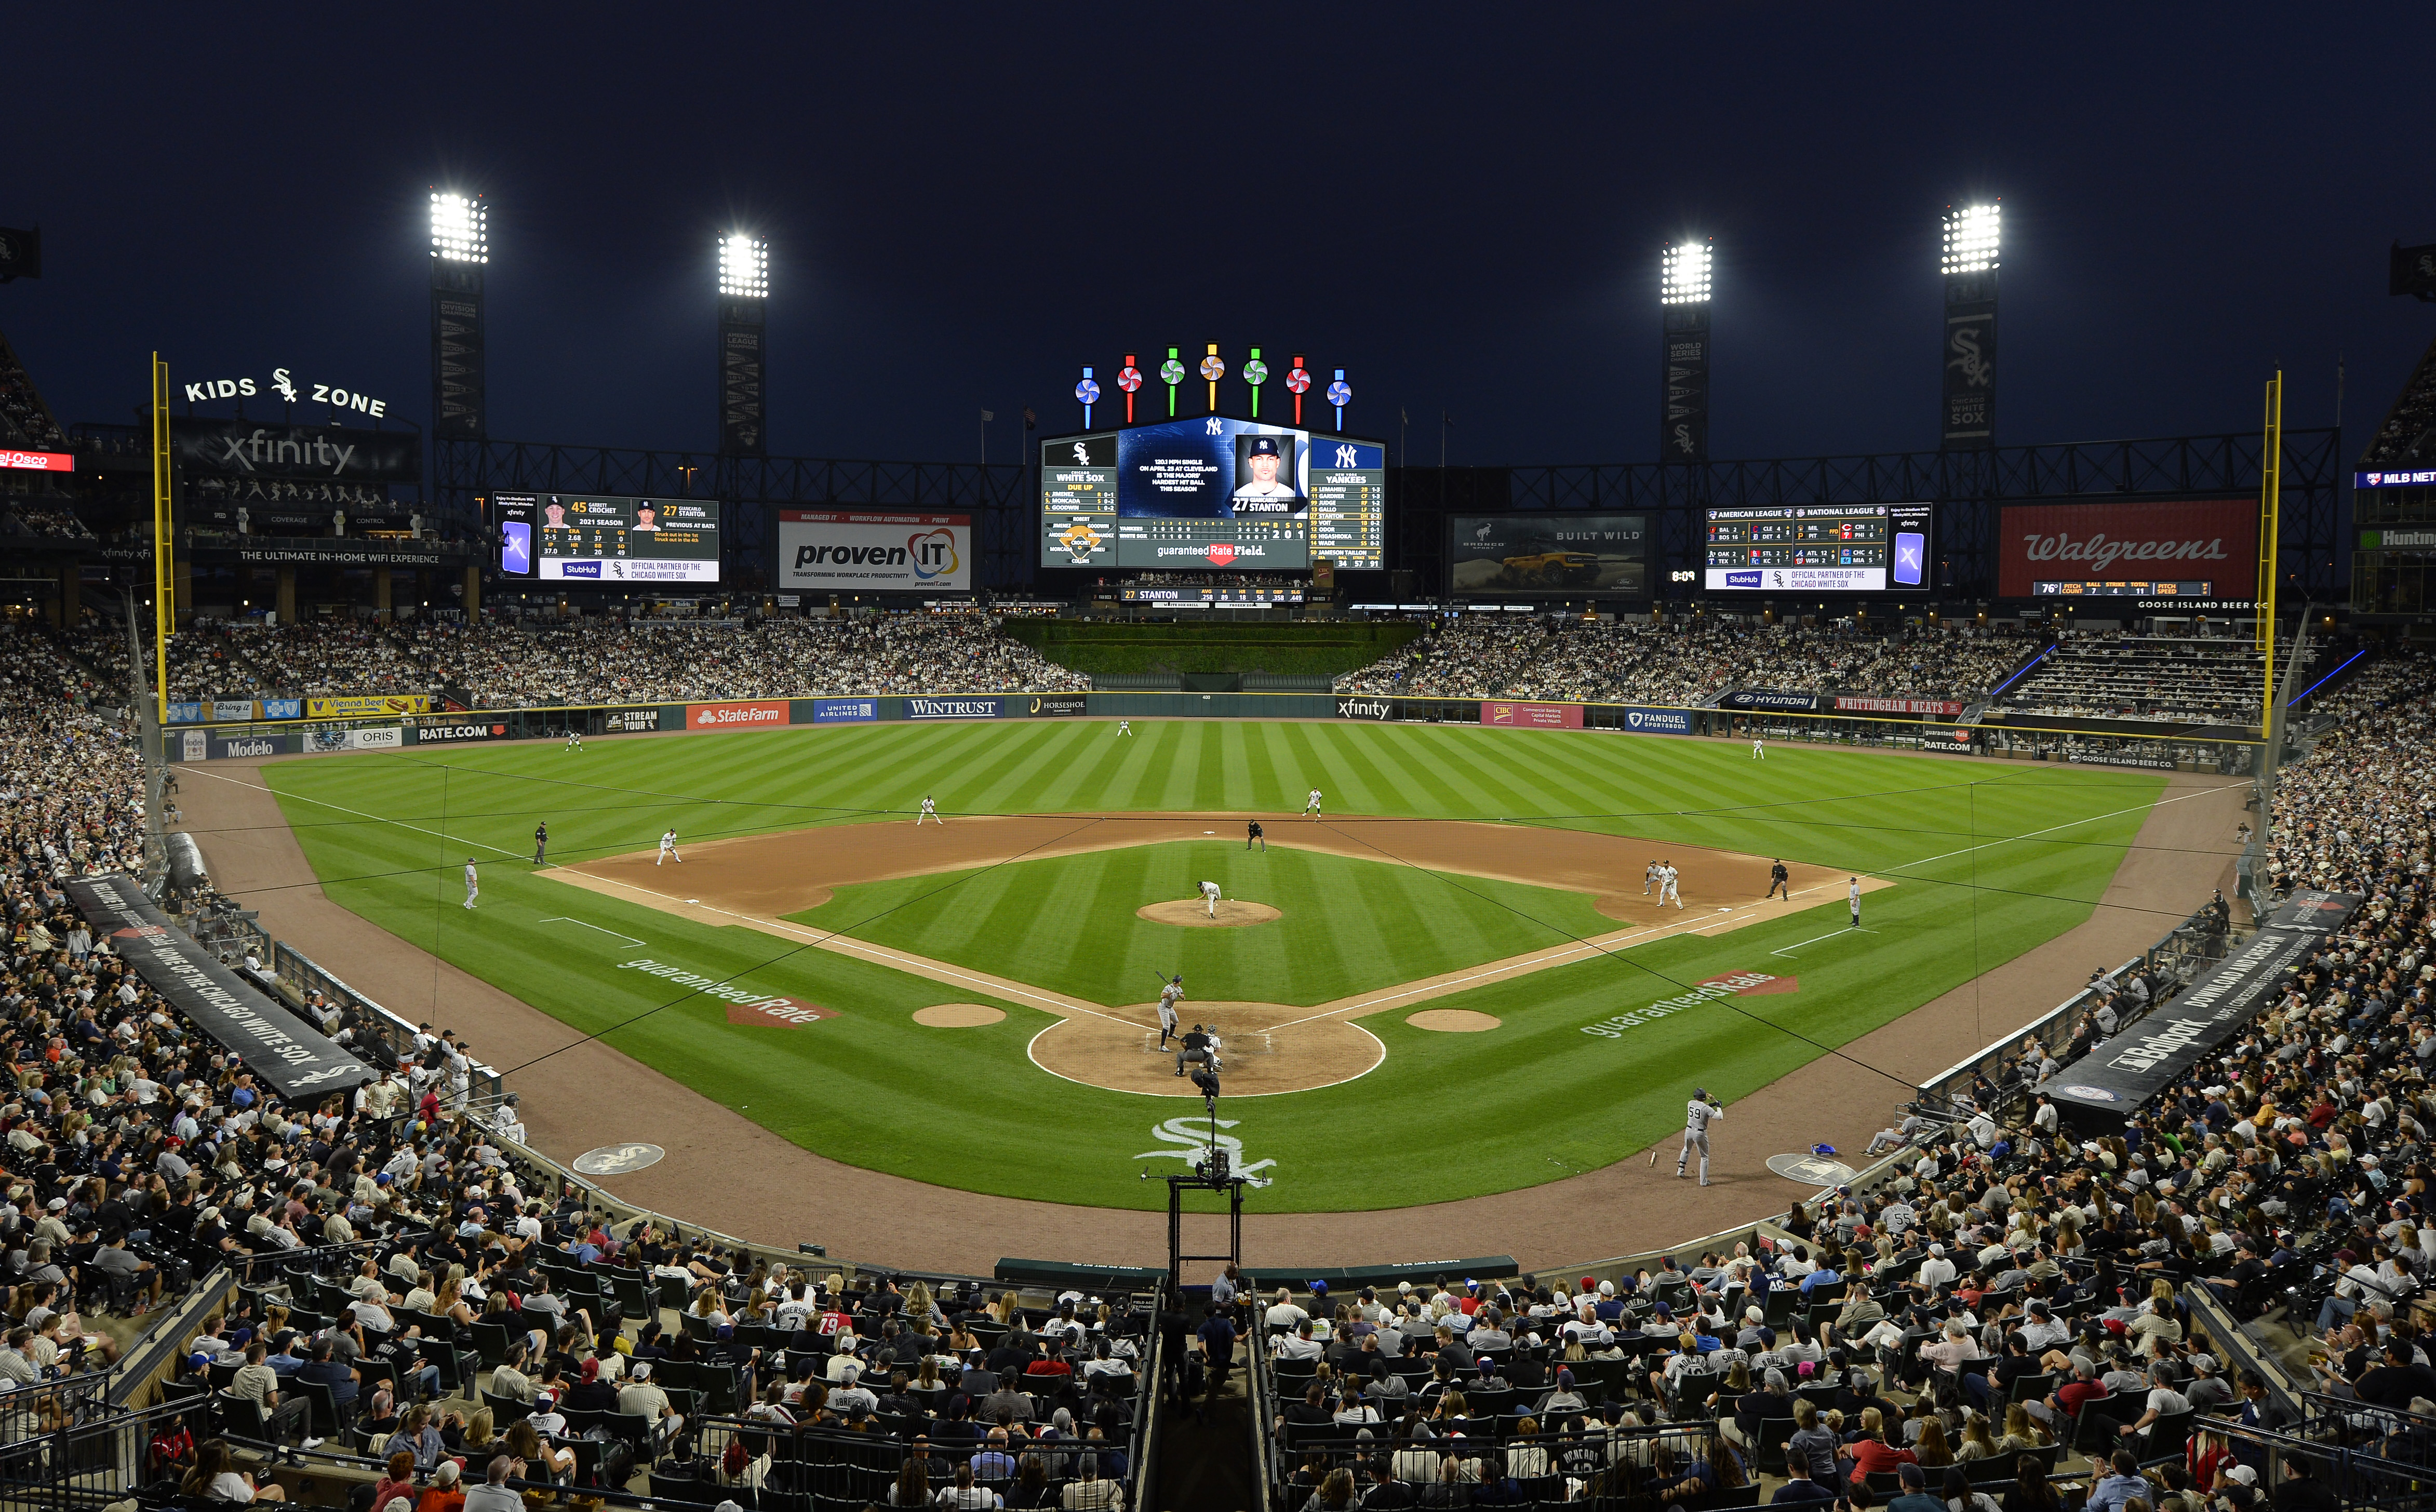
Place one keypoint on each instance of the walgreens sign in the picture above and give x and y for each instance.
(2181, 540)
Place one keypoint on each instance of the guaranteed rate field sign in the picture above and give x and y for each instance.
(858, 551)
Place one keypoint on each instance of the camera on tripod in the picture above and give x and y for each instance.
(1213, 1165)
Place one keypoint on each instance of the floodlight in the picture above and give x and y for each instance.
(744, 267)
(1971, 238)
(1683, 274)
(461, 228)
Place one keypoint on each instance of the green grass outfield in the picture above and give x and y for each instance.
(1989, 861)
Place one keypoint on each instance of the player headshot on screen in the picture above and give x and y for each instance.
(644, 518)
(557, 516)
(1261, 490)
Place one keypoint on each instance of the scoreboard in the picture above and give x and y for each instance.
(607, 538)
(1213, 491)
(1819, 548)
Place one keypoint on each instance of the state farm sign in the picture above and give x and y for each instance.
(2181, 540)
(755, 713)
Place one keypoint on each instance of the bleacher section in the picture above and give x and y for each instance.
(2167, 679)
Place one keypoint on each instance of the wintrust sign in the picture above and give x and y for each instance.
(2182, 539)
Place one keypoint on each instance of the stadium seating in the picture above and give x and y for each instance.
(2176, 678)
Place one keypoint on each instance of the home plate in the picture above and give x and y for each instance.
(1210, 831)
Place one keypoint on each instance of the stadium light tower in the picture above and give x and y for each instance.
(1683, 280)
(743, 299)
(460, 249)
(1973, 247)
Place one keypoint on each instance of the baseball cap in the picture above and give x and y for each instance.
(2245, 1474)
(1263, 447)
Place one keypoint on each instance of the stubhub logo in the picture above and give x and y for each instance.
(1742, 579)
(592, 569)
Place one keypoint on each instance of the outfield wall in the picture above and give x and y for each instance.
(2164, 748)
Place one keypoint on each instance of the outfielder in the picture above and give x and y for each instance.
(1209, 895)
(1170, 994)
(1649, 878)
(1252, 832)
(1666, 888)
(1311, 805)
(473, 883)
(574, 739)
(1853, 895)
(1697, 1114)
(1126, 727)
(1779, 881)
(931, 812)
(1759, 749)
(669, 848)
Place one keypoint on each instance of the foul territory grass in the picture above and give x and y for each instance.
(1989, 861)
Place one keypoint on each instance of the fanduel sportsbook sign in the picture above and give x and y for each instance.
(275, 1045)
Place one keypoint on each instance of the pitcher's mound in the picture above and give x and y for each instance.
(1454, 1020)
(958, 1016)
(1192, 912)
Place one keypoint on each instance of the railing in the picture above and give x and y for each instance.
(301, 974)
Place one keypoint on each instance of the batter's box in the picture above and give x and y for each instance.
(1231, 1045)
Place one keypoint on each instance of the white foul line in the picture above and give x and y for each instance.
(1850, 928)
(379, 819)
(561, 918)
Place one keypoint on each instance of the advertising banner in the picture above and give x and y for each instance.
(2216, 539)
(428, 734)
(1772, 699)
(758, 713)
(275, 1045)
(1969, 362)
(283, 708)
(1546, 553)
(1683, 408)
(185, 714)
(632, 722)
(2120, 758)
(1933, 708)
(954, 709)
(221, 747)
(1952, 741)
(1044, 705)
(1655, 722)
(368, 706)
(1377, 709)
(37, 461)
(319, 454)
(231, 711)
(2101, 1091)
(825, 551)
(189, 745)
(843, 710)
(1532, 716)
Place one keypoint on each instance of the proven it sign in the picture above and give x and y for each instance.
(832, 551)
(2180, 540)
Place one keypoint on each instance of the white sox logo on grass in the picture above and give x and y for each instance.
(1732, 985)
(1191, 1131)
(744, 1006)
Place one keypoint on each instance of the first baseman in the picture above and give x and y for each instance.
(669, 848)
(931, 812)
(1311, 805)
(1666, 885)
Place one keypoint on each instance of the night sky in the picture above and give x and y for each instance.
(1461, 206)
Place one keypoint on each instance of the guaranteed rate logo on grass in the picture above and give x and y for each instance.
(1732, 985)
(744, 1006)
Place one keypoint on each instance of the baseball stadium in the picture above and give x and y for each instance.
(1209, 965)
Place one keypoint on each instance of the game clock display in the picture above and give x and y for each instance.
(606, 538)
(1213, 493)
(1797, 548)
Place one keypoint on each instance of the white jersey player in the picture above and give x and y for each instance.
(1311, 805)
(574, 739)
(1853, 895)
(1126, 727)
(669, 848)
(1649, 878)
(1666, 886)
(1698, 1115)
(1170, 994)
(931, 812)
(473, 883)
(1209, 895)
(1759, 749)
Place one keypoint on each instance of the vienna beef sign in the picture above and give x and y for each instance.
(2178, 539)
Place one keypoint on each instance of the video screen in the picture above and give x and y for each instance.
(1213, 491)
(1799, 549)
(607, 538)
(1548, 555)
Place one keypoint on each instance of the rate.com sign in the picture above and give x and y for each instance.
(842, 551)
(2177, 540)
(758, 715)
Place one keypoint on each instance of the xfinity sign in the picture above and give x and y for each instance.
(1360, 708)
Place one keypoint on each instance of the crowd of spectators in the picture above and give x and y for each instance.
(2359, 803)
(54, 521)
(1684, 662)
(2167, 678)
(24, 420)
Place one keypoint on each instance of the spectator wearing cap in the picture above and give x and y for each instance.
(1914, 1497)
(641, 1397)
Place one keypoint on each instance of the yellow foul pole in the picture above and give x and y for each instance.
(2270, 485)
(164, 576)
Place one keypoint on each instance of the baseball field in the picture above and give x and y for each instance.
(1452, 985)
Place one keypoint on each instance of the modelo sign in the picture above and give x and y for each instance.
(1532, 716)
(2182, 539)
(825, 551)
